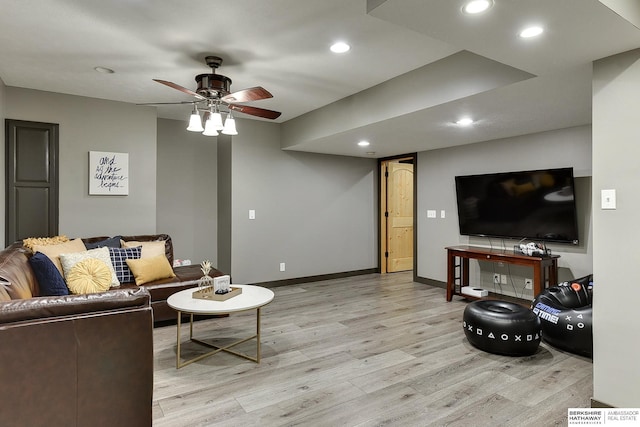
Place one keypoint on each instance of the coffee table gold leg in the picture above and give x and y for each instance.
(217, 349)
(258, 336)
(191, 326)
(178, 343)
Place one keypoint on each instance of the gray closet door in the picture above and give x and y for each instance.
(32, 179)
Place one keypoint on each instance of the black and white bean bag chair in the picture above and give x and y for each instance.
(565, 312)
(501, 327)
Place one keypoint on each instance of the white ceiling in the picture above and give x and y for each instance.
(282, 45)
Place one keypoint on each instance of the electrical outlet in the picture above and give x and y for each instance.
(503, 279)
(528, 283)
(496, 278)
(282, 266)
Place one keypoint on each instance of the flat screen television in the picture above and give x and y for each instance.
(536, 205)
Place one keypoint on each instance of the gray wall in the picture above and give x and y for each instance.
(616, 102)
(316, 213)
(436, 190)
(224, 203)
(88, 124)
(187, 191)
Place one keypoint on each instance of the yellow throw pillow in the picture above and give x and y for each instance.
(89, 276)
(149, 249)
(54, 251)
(30, 242)
(102, 254)
(149, 269)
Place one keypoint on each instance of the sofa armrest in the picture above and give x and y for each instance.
(69, 305)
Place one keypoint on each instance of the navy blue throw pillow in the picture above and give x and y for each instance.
(119, 257)
(112, 242)
(48, 276)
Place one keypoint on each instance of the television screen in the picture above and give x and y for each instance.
(536, 205)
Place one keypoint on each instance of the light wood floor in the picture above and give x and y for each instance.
(373, 350)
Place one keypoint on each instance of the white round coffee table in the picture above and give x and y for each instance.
(252, 298)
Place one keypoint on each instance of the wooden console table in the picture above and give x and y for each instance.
(545, 268)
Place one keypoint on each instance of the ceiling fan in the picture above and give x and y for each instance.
(212, 94)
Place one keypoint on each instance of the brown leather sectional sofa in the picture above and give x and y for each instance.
(15, 269)
(77, 360)
(80, 360)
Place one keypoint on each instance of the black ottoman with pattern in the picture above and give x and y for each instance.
(502, 327)
(565, 311)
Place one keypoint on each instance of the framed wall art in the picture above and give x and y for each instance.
(108, 173)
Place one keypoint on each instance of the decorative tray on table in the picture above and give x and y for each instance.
(209, 293)
(215, 288)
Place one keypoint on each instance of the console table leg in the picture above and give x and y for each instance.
(538, 280)
(553, 274)
(450, 275)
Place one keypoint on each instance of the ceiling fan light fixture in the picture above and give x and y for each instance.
(195, 123)
(216, 119)
(209, 127)
(230, 126)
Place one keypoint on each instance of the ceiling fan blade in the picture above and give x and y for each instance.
(254, 111)
(180, 88)
(245, 95)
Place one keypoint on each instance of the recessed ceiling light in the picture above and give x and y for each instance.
(363, 143)
(531, 32)
(104, 70)
(465, 121)
(477, 6)
(340, 47)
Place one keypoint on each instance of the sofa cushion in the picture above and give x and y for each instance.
(149, 269)
(54, 251)
(149, 249)
(49, 278)
(111, 242)
(102, 254)
(88, 276)
(119, 257)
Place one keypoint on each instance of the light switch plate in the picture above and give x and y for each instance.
(431, 213)
(252, 214)
(608, 199)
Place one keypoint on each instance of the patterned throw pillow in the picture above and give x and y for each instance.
(119, 257)
(49, 278)
(30, 242)
(89, 276)
(102, 254)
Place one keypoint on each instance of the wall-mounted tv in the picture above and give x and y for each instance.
(535, 205)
